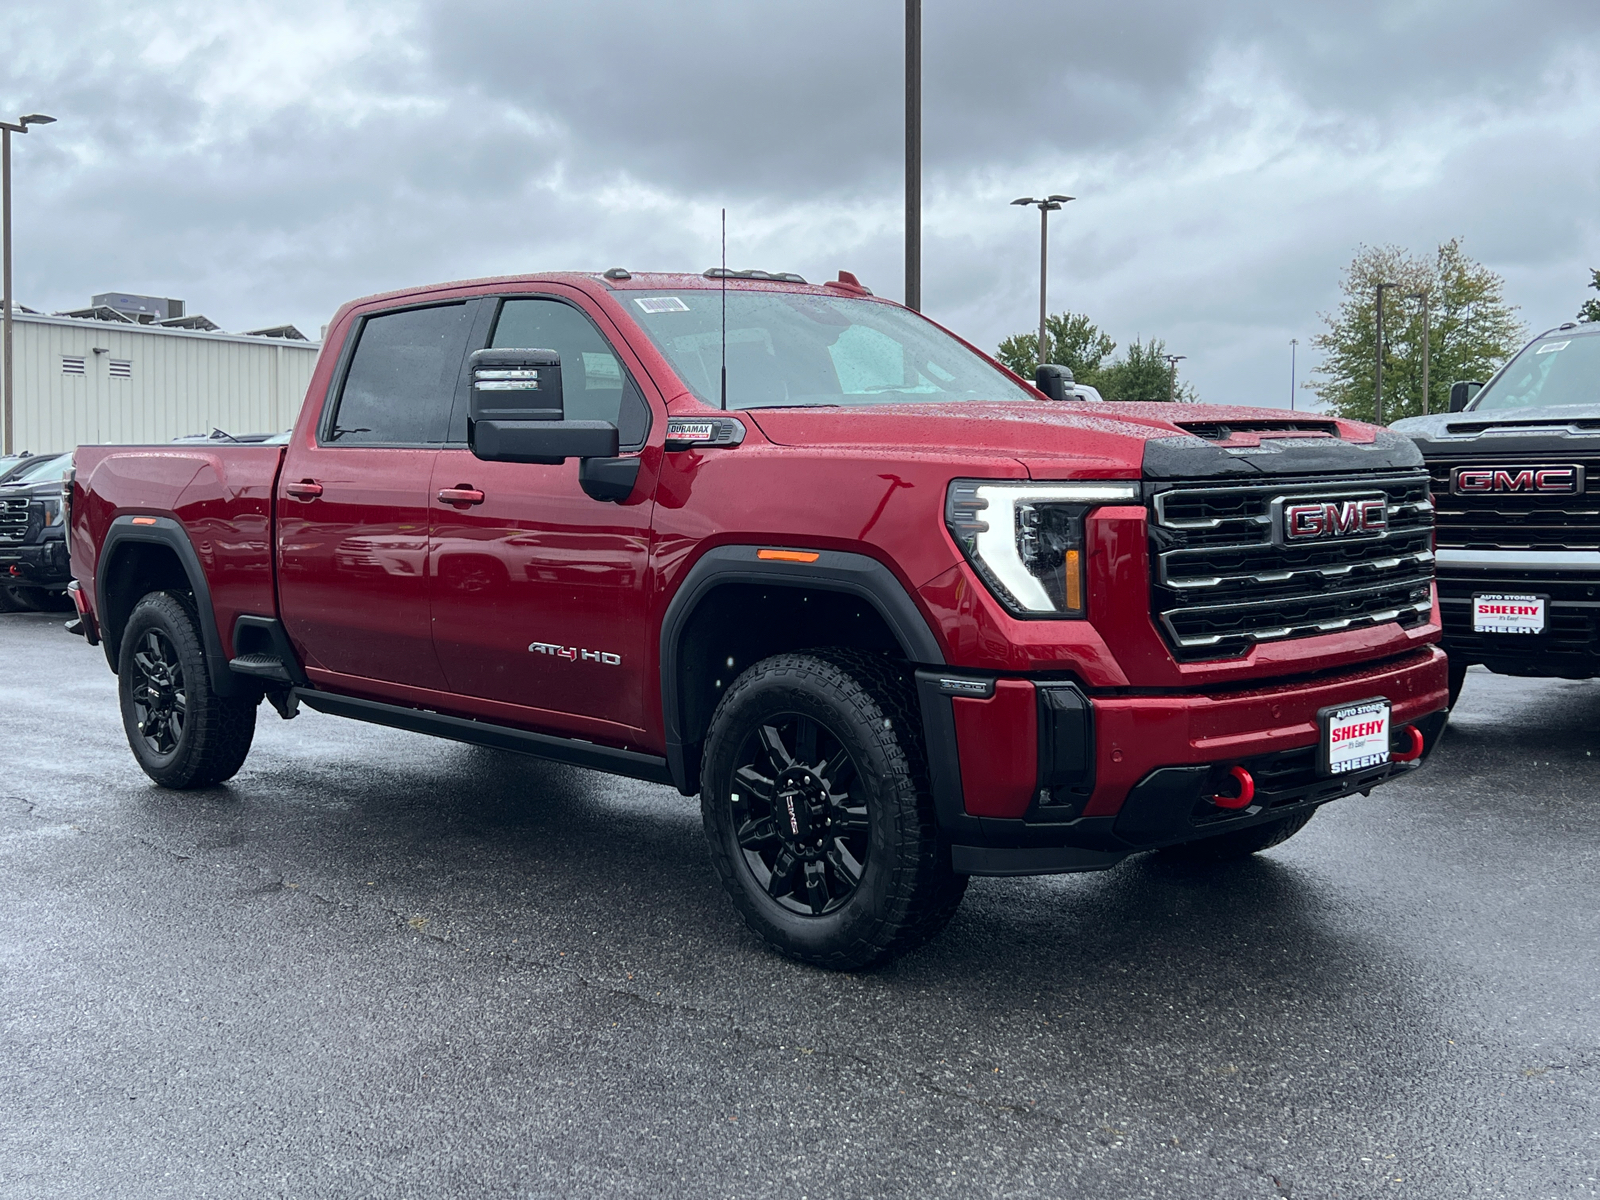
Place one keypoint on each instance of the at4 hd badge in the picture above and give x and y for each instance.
(576, 653)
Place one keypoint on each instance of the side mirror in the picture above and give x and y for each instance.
(1055, 381)
(1462, 394)
(516, 414)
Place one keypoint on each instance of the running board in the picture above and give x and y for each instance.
(499, 737)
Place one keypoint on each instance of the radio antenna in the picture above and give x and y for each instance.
(724, 310)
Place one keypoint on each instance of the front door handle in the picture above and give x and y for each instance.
(305, 489)
(462, 494)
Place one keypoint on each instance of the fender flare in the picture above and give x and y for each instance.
(834, 571)
(169, 533)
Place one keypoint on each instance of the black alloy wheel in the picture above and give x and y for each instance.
(182, 732)
(805, 838)
(160, 700)
(818, 813)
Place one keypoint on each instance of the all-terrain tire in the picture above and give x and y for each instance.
(183, 735)
(11, 601)
(1458, 677)
(864, 706)
(1228, 847)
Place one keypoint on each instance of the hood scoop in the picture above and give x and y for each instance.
(1227, 431)
(1575, 424)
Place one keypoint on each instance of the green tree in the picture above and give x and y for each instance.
(1591, 307)
(1474, 330)
(1078, 343)
(1074, 342)
(1143, 373)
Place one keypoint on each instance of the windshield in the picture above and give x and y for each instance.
(1547, 374)
(42, 469)
(794, 349)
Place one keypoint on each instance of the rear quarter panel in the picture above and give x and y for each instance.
(221, 495)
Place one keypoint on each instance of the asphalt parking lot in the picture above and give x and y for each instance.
(381, 965)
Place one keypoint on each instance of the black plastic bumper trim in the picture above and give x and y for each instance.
(1031, 860)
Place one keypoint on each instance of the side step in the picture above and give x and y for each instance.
(572, 751)
(261, 666)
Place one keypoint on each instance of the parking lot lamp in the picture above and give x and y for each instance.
(1172, 374)
(1427, 337)
(1046, 206)
(6, 130)
(1377, 394)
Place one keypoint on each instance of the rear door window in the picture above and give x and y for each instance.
(401, 382)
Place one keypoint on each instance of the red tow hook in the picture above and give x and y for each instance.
(1247, 791)
(1415, 752)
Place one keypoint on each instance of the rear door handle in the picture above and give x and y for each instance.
(460, 495)
(305, 489)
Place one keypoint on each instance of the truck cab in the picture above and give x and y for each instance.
(895, 615)
(1516, 489)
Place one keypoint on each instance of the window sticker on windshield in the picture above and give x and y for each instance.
(1552, 347)
(661, 304)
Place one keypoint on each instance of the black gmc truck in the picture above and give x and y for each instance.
(1516, 492)
(34, 570)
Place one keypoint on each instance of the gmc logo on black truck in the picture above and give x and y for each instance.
(1308, 520)
(1545, 481)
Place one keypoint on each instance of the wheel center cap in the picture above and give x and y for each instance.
(796, 795)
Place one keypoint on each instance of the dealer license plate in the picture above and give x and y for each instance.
(1354, 736)
(1498, 612)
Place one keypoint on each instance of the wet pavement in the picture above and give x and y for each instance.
(381, 965)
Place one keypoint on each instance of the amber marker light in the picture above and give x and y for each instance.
(144, 520)
(1073, 584)
(805, 556)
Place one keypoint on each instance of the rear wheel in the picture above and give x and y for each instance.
(818, 814)
(1226, 847)
(181, 732)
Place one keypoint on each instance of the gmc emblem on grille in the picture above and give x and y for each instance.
(1532, 481)
(1310, 520)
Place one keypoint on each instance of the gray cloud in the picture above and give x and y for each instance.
(267, 161)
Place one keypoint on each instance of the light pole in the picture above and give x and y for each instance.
(1377, 398)
(1172, 374)
(1427, 337)
(1045, 206)
(1294, 347)
(6, 130)
(914, 154)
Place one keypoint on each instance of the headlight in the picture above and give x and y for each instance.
(52, 511)
(1025, 540)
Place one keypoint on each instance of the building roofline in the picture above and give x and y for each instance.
(91, 325)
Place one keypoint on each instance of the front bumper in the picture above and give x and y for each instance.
(1025, 783)
(1570, 646)
(43, 564)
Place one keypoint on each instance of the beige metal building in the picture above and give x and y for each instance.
(81, 381)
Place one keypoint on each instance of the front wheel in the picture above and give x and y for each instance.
(1458, 677)
(182, 733)
(818, 813)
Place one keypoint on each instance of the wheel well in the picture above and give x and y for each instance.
(739, 624)
(135, 570)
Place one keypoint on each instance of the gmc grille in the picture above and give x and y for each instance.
(1517, 520)
(13, 520)
(1221, 584)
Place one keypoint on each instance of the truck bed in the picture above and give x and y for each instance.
(220, 495)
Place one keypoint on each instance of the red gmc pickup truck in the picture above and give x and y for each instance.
(897, 616)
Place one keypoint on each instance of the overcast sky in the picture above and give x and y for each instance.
(265, 161)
